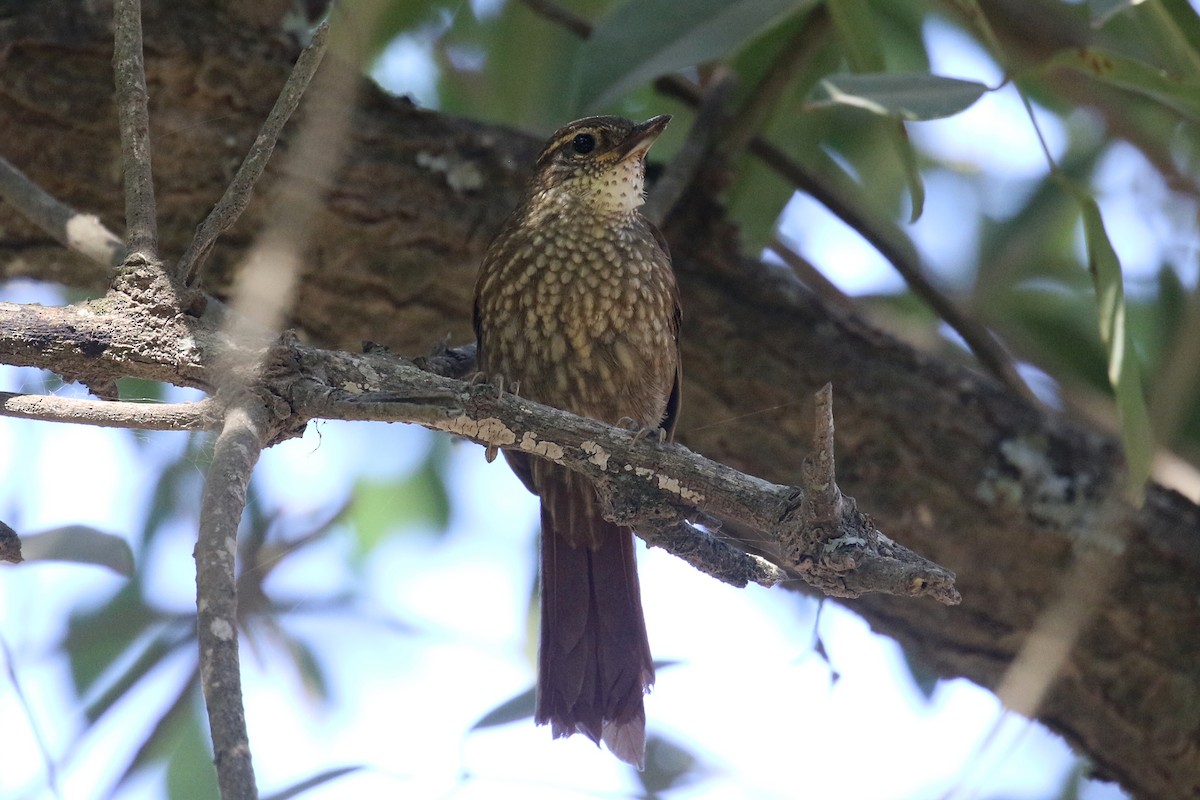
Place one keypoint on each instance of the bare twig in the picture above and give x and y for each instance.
(82, 233)
(237, 194)
(236, 452)
(202, 415)
(893, 245)
(141, 225)
(560, 16)
(701, 138)
(810, 276)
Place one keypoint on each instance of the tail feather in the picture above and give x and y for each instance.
(594, 662)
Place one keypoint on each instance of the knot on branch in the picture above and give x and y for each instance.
(835, 547)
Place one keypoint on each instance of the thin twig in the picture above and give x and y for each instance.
(201, 415)
(893, 245)
(141, 226)
(81, 233)
(690, 159)
(234, 456)
(237, 195)
(560, 16)
(810, 276)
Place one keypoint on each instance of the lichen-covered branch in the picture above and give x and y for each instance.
(234, 456)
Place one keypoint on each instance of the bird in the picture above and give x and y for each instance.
(577, 307)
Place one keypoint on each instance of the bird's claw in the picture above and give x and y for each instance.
(498, 383)
(641, 431)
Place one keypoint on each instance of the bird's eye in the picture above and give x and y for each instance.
(584, 143)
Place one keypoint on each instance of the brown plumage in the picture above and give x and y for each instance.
(576, 302)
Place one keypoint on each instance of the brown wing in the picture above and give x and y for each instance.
(675, 401)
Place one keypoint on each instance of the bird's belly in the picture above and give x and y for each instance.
(606, 364)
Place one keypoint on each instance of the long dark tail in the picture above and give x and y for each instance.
(594, 662)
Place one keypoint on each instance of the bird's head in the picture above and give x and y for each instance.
(599, 162)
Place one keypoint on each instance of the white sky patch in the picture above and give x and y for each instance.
(406, 67)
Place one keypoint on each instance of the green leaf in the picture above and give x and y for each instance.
(161, 646)
(140, 389)
(521, 706)
(514, 709)
(321, 778)
(924, 678)
(96, 638)
(1101, 11)
(1132, 75)
(1123, 373)
(643, 39)
(190, 771)
(161, 740)
(668, 764)
(910, 96)
(856, 27)
(382, 507)
(80, 544)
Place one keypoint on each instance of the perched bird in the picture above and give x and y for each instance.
(576, 305)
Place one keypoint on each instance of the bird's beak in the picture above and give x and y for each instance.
(642, 136)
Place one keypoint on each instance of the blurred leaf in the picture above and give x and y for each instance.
(97, 637)
(161, 646)
(1134, 76)
(521, 706)
(308, 667)
(139, 389)
(381, 507)
(857, 30)
(321, 778)
(911, 96)
(80, 544)
(923, 677)
(161, 741)
(643, 39)
(190, 771)
(1101, 11)
(759, 194)
(1123, 373)
(515, 708)
(513, 67)
(392, 19)
(668, 764)
(178, 485)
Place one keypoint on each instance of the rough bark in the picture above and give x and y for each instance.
(950, 464)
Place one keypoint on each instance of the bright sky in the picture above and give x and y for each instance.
(449, 639)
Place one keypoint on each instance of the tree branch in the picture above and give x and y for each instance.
(236, 452)
(80, 233)
(237, 194)
(199, 416)
(141, 225)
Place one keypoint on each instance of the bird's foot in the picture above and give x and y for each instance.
(498, 383)
(642, 431)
